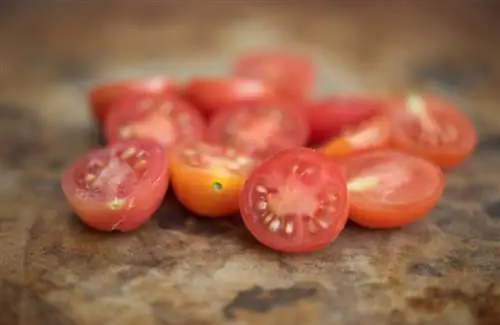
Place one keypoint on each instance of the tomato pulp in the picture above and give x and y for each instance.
(260, 131)
(295, 201)
(118, 187)
(389, 189)
(207, 178)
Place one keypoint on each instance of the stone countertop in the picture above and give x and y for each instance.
(181, 270)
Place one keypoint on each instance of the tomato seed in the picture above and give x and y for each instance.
(128, 153)
(89, 177)
(275, 225)
(261, 189)
(289, 228)
(262, 205)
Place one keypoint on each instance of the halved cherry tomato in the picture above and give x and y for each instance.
(370, 135)
(330, 116)
(213, 94)
(429, 127)
(102, 96)
(118, 187)
(389, 189)
(295, 202)
(166, 119)
(260, 131)
(291, 74)
(207, 178)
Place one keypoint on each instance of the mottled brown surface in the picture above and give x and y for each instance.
(179, 270)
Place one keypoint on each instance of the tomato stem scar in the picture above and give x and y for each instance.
(360, 184)
(217, 186)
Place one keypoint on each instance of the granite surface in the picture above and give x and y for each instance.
(181, 270)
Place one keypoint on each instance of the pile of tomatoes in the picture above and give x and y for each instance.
(239, 144)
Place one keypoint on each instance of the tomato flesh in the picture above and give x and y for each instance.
(260, 131)
(389, 189)
(102, 96)
(166, 119)
(291, 74)
(118, 187)
(431, 128)
(295, 201)
(207, 178)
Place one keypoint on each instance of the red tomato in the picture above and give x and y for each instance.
(166, 119)
(260, 131)
(291, 74)
(295, 202)
(207, 178)
(118, 187)
(430, 127)
(328, 117)
(388, 188)
(370, 135)
(213, 94)
(102, 96)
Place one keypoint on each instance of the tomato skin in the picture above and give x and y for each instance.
(447, 156)
(211, 95)
(127, 110)
(383, 215)
(330, 116)
(194, 186)
(265, 137)
(138, 205)
(290, 74)
(103, 95)
(306, 241)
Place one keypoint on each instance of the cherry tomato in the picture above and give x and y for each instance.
(429, 127)
(295, 201)
(207, 178)
(389, 189)
(118, 187)
(213, 94)
(291, 74)
(370, 135)
(166, 119)
(102, 96)
(260, 131)
(328, 117)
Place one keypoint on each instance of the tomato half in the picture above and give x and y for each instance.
(102, 96)
(261, 131)
(207, 178)
(430, 127)
(166, 119)
(213, 94)
(295, 201)
(291, 74)
(330, 116)
(370, 135)
(389, 189)
(118, 187)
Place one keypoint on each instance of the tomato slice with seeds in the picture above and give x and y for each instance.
(118, 187)
(330, 116)
(429, 127)
(290, 74)
(370, 135)
(166, 119)
(213, 94)
(295, 201)
(260, 131)
(207, 178)
(102, 96)
(389, 189)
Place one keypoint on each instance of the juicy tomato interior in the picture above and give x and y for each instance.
(165, 119)
(295, 202)
(119, 187)
(370, 135)
(390, 189)
(102, 96)
(431, 128)
(207, 178)
(260, 131)
(213, 94)
(291, 74)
